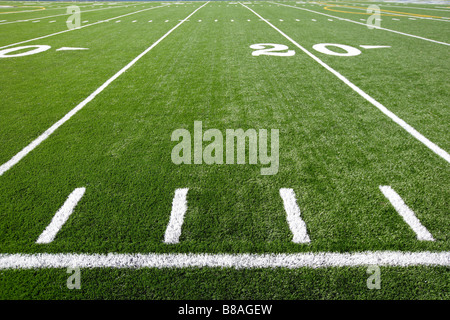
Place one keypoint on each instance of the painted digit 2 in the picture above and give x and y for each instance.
(271, 49)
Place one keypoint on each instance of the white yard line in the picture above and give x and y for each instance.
(363, 24)
(61, 216)
(236, 261)
(81, 27)
(406, 213)
(57, 15)
(433, 147)
(19, 156)
(179, 208)
(296, 224)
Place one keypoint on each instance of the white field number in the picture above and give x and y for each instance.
(271, 49)
(349, 51)
(6, 53)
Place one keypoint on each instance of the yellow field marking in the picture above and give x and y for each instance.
(386, 12)
(38, 9)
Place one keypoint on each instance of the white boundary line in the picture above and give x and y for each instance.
(19, 156)
(363, 24)
(406, 213)
(433, 147)
(81, 27)
(236, 261)
(61, 216)
(57, 15)
(296, 224)
(179, 208)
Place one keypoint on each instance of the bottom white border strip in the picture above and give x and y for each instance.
(237, 261)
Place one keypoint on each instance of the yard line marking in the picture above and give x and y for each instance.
(406, 213)
(19, 156)
(374, 47)
(433, 147)
(296, 224)
(57, 15)
(70, 49)
(61, 216)
(81, 27)
(235, 261)
(179, 208)
(363, 24)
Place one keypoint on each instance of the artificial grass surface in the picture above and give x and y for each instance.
(336, 149)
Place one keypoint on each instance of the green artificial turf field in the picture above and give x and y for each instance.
(87, 117)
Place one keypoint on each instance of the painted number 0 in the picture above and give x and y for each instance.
(271, 49)
(8, 53)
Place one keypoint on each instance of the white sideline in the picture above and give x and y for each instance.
(81, 27)
(61, 216)
(236, 261)
(406, 213)
(363, 24)
(179, 208)
(433, 147)
(19, 156)
(58, 15)
(296, 224)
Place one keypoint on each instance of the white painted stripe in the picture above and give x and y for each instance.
(363, 24)
(81, 27)
(236, 261)
(19, 156)
(296, 224)
(406, 213)
(433, 147)
(61, 216)
(374, 47)
(70, 49)
(179, 208)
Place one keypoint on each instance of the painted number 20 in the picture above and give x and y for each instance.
(271, 49)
